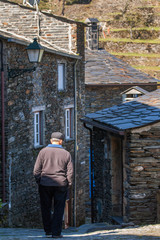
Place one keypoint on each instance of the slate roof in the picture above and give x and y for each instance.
(134, 114)
(102, 68)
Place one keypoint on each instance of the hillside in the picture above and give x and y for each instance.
(129, 29)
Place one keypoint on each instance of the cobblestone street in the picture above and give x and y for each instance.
(87, 231)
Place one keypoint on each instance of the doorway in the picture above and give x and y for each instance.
(117, 179)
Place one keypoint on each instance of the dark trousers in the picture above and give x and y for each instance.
(52, 222)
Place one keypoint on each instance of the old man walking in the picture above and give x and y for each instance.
(53, 172)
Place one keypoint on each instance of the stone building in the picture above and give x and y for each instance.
(108, 81)
(125, 160)
(107, 77)
(35, 103)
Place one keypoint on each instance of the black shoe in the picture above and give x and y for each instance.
(54, 236)
(48, 234)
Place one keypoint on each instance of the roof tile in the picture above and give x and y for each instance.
(137, 113)
(104, 68)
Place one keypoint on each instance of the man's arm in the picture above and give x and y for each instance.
(38, 168)
(70, 171)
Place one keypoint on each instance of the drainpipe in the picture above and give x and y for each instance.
(91, 166)
(75, 143)
(3, 124)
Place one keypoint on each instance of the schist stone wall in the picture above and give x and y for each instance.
(143, 177)
(25, 94)
(0, 128)
(38, 91)
(140, 174)
(2, 48)
(100, 97)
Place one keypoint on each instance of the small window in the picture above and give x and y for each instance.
(129, 97)
(69, 123)
(38, 128)
(61, 76)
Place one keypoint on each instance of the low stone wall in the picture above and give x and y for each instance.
(129, 47)
(134, 34)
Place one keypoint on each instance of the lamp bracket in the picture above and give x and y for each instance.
(12, 73)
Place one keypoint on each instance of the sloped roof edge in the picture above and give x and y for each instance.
(23, 41)
(102, 126)
(122, 84)
(139, 89)
(103, 68)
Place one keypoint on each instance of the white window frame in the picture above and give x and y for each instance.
(69, 122)
(61, 76)
(37, 127)
(126, 98)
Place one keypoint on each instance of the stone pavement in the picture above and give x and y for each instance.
(88, 231)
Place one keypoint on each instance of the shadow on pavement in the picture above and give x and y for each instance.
(91, 232)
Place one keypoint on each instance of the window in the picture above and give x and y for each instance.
(69, 115)
(38, 128)
(133, 92)
(61, 76)
(128, 97)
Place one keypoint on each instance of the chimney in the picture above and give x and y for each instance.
(92, 33)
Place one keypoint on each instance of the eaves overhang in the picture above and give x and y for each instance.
(49, 50)
(111, 129)
(25, 42)
(102, 126)
(121, 84)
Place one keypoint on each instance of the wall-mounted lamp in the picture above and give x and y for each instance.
(35, 53)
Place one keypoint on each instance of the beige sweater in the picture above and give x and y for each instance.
(53, 166)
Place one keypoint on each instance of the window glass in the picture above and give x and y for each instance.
(69, 123)
(38, 128)
(61, 76)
